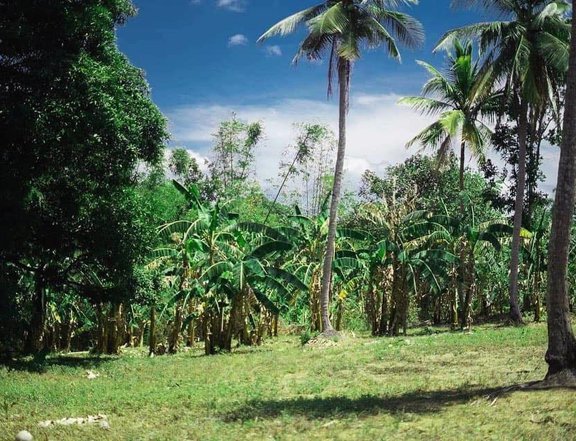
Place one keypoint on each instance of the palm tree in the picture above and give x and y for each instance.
(561, 354)
(339, 28)
(461, 98)
(528, 52)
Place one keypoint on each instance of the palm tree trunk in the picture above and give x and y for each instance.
(462, 163)
(152, 336)
(344, 82)
(515, 314)
(463, 287)
(561, 354)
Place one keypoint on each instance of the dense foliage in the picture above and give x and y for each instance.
(106, 241)
(76, 121)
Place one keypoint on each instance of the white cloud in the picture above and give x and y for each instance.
(378, 129)
(550, 161)
(232, 5)
(238, 40)
(273, 51)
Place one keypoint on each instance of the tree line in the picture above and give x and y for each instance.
(103, 243)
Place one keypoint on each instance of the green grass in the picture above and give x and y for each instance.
(441, 386)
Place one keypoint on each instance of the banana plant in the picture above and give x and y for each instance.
(308, 233)
(468, 239)
(221, 269)
(404, 261)
(535, 252)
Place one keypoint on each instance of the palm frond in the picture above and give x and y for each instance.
(333, 20)
(425, 105)
(289, 24)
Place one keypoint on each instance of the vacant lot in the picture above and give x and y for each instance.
(433, 385)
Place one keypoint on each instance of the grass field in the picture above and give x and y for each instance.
(433, 386)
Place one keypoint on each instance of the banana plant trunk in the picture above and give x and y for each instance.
(152, 333)
(191, 325)
(454, 300)
(315, 289)
(537, 303)
(469, 283)
(561, 353)
(174, 337)
(344, 91)
(399, 299)
(515, 314)
(384, 313)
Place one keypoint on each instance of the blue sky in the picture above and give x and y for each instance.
(184, 47)
(203, 63)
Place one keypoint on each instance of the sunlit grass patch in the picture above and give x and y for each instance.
(424, 386)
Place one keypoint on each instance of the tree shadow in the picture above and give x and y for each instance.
(430, 330)
(41, 365)
(417, 402)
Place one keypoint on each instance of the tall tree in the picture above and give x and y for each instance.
(526, 52)
(233, 155)
(340, 28)
(561, 354)
(76, 122)
(462, 98)
(185, 166)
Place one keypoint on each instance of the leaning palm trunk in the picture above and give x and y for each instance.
(515, 314)
(461, 176)
(344, 84)
(561, 354)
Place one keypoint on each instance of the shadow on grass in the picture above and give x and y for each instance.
(319, 408)
(430, 330)
(41, 365)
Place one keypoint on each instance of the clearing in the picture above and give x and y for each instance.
(432, 385)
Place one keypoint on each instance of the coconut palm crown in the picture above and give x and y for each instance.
(463, 99)
(341, 28)
(527, 50)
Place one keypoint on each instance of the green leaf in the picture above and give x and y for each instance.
(270, 248)
(254, 227)
(286, 277)
(265, 300)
